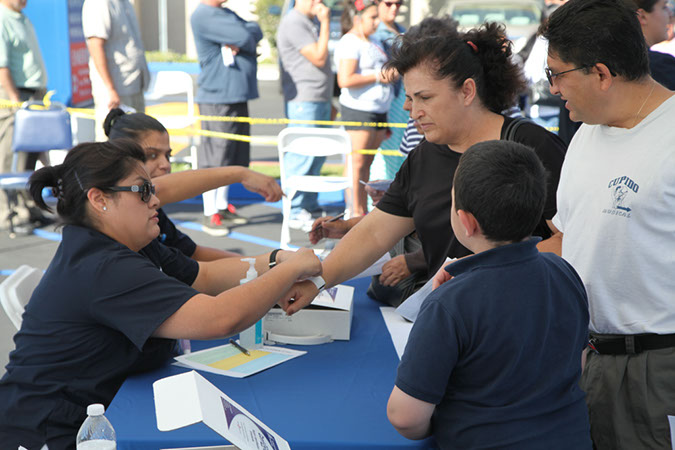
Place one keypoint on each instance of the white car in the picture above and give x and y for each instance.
(520, 17)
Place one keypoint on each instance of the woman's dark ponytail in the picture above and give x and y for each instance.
(120, 125)
(110, 120)
(500, 80)
(46, 177)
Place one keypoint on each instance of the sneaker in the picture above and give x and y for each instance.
(214, 226)
(230, 216)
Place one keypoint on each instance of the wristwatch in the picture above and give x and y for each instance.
(273, 258)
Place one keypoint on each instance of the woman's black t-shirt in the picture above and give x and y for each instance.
(422, 190)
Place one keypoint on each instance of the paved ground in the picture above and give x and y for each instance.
(259, 236)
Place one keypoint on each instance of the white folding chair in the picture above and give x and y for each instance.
(309, 142)
(167, 83)
(16, 290)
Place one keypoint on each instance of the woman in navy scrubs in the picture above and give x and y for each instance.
(108, 305)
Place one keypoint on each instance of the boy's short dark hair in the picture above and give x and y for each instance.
(503, 184)
(587, 32)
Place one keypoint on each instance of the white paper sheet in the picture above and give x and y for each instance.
(411, 306)
(228, 55)
(671, 421)
(376, 268)
(398, 328)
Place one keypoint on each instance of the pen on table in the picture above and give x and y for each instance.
(339, 216)
(239, 347)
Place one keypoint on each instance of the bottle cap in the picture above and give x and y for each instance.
(95, 409)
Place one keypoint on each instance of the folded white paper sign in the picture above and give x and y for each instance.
(188, 398)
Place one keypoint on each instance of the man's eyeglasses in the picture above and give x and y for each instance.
(550, 76)
(390, 4)
(146, 190)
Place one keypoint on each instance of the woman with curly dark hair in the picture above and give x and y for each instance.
(456, 86)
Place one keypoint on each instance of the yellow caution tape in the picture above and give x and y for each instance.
(88, 113)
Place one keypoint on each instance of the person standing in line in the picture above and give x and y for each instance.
(117, 67)
(23, 76)
(307, 82)
(654, 17)
(366, 90)
(385, 166)
(226, 47)
(616, 211)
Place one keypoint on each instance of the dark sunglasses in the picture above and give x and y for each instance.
(550, 76)
(147, 190)
(390, 4)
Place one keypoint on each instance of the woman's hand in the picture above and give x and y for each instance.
(298, 296)
(322, 228)
(375, 194)
(262, 184)
(390, 75)
(307, 263)
(284, 255)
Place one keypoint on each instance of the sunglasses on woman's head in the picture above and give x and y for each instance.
(390, 4)
(147, 190)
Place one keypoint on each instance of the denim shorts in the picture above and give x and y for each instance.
(307, 111)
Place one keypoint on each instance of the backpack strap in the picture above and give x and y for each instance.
(512, 128)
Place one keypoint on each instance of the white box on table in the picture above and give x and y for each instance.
(330, 314)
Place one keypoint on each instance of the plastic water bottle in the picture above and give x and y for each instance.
(96, 433)
(252, 337)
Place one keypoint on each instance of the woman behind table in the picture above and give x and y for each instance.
(151, 135)
(456, 85)
(366, 92)
(104, 309)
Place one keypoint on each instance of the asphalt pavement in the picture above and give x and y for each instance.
(260, 235)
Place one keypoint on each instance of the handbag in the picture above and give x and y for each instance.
(39, 128)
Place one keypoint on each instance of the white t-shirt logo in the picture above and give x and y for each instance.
(620, 190)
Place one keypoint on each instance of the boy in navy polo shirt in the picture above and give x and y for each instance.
(494, 357)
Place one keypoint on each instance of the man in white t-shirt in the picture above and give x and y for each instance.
(616, 216)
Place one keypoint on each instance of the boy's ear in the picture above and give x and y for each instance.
(469, 222)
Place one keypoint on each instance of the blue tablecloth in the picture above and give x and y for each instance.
(334, 397)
